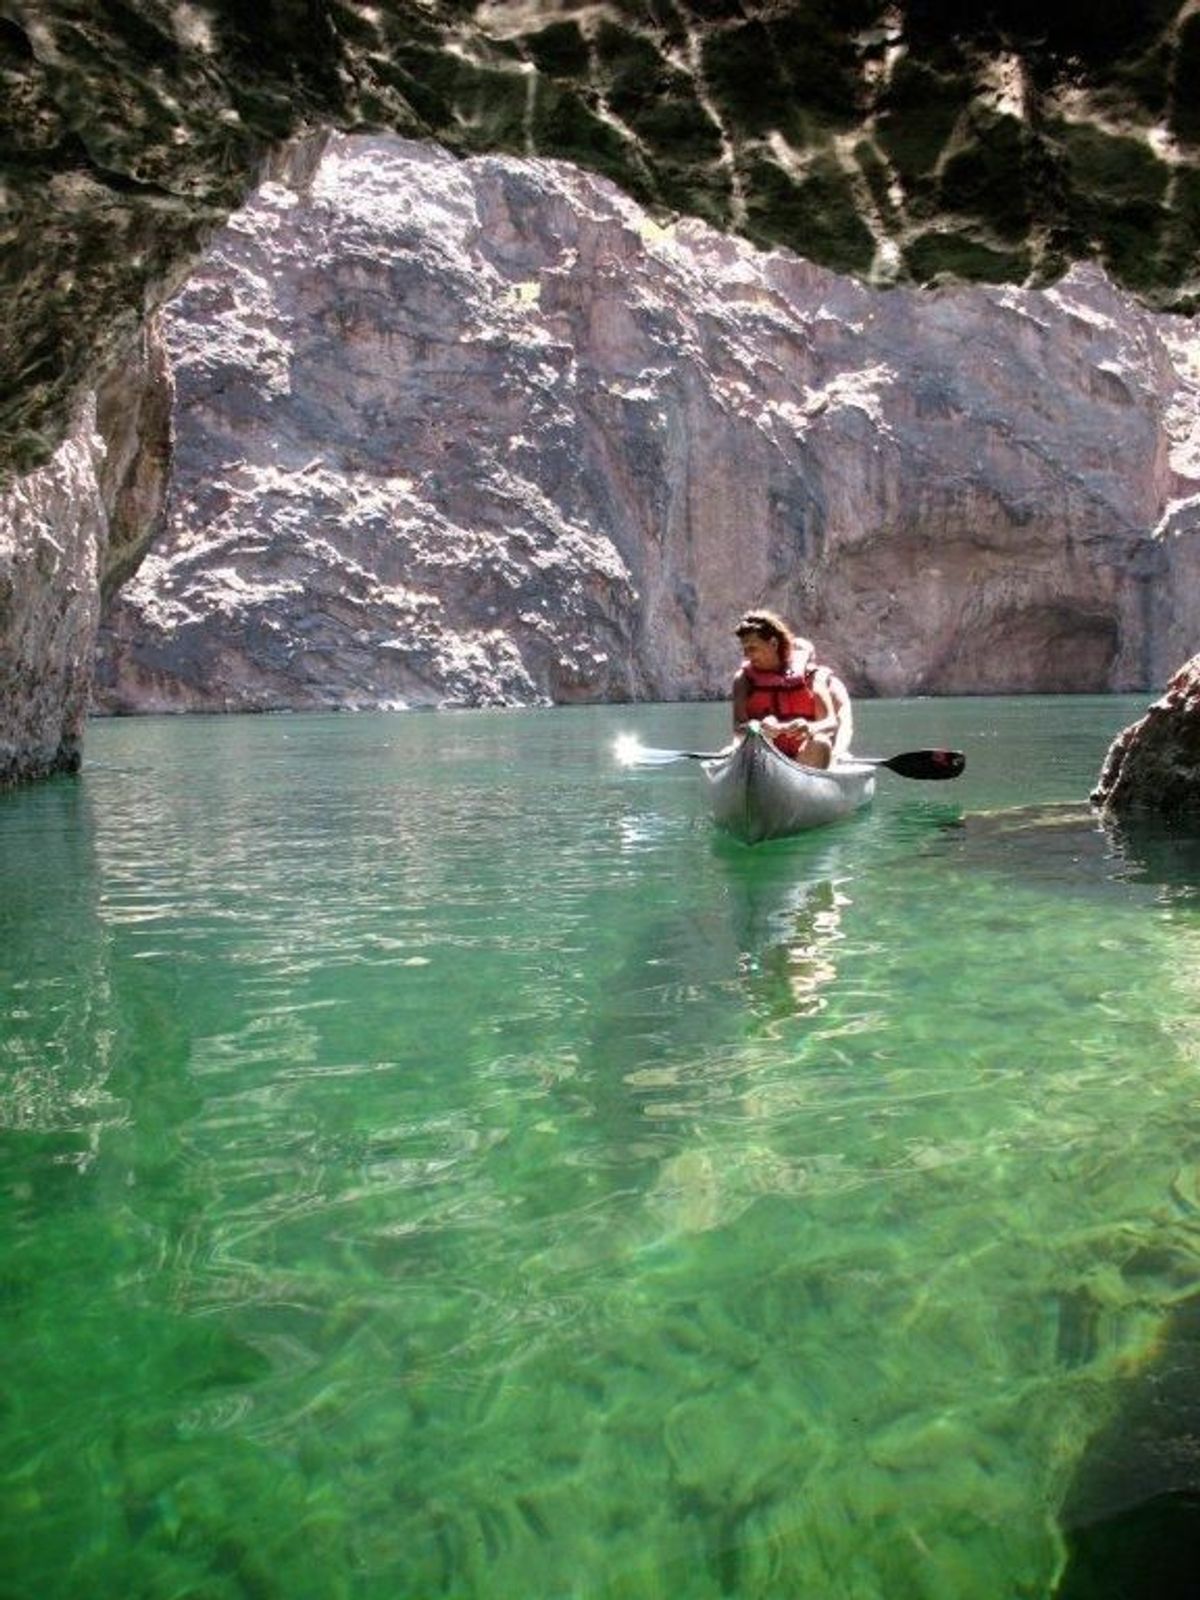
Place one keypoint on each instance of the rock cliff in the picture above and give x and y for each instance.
(484, 432)
(52, 529)
(908, 141)
(68, 531)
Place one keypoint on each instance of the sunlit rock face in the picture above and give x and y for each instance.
(1154, 765)
(484, 432)
(909, 142)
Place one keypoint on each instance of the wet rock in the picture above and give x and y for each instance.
(1153, 766)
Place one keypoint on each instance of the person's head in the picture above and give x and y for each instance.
(768, 643)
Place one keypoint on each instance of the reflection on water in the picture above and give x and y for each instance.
(786, 912)
(1151, 852)
(495, 1186)
(54, 979)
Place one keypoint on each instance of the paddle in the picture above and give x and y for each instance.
(931, 765)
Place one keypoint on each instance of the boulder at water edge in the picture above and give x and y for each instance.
(1154, 765)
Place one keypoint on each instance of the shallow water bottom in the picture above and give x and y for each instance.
(435, 1164)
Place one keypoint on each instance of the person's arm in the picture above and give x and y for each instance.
(741, 693)
(836, 722)
(840, 721)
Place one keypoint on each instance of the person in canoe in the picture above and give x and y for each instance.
(803, 708)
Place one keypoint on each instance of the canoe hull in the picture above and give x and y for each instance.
(756, 793)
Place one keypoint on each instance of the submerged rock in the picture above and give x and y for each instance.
(1132, 1514)
(1153, 766)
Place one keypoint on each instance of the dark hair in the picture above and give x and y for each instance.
(768, 626)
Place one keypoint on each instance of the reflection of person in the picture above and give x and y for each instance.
(802, 707)
(788, 966)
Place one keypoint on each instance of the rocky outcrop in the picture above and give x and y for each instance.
(52, 528)
(1154, 765)
(483, 431)
(909, 142)
(67, 532)
(904, 140)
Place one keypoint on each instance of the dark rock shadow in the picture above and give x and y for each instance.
(1132, 1514)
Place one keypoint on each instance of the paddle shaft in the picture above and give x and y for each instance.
(929, 765)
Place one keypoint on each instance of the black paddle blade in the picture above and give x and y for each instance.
(929, 764)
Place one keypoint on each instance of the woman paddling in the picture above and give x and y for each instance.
(802, 707)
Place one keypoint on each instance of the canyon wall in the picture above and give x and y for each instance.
(68, 532)
(484, 432)
(905, 141)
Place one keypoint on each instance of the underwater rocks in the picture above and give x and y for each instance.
(480, 432)
(1153, 766)
(1132, 1513)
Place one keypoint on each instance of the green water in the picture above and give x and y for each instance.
(433, 1164)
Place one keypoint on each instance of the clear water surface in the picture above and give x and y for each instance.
(434, 1164)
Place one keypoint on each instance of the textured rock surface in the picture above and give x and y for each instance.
(52, 529)
(69, 530)
(1154, 765)
(908, 140)
(134, 411)
(478, 431)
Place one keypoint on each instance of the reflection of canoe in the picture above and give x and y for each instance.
(757, 793)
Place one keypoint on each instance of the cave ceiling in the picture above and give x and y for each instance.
(922, 142)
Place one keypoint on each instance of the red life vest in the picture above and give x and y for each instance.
(783, 695)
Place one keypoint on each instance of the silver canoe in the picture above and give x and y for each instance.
(757, 793)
